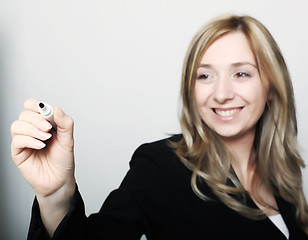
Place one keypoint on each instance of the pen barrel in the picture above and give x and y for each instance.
(47, 112)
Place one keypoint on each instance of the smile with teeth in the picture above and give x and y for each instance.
(228, 112)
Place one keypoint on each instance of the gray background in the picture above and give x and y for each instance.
(115, 67)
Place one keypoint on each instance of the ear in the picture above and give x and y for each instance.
(270, 94)
(267, 87)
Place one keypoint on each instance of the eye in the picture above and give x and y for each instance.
(242, 75)
(203, 76)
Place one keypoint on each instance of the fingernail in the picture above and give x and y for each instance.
(46, 125)
(44, 135)
(40, 144)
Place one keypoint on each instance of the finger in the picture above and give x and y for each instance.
(27, 129)
(31, 104)
(22, 156)
(21, 143)
(35, 119)
(65, 127)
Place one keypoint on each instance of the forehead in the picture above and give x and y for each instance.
(230, 48)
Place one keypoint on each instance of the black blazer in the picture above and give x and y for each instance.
(156, 199)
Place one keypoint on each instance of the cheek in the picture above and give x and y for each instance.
(202, 101)
(198, 101)
(259, 101)
(266, 87)
(201, 94)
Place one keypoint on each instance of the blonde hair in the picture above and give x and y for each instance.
(275, 145)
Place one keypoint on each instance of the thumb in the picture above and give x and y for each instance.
(65, 127)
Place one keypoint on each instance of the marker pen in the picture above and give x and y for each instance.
(47, 112)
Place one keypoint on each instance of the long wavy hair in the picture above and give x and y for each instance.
(277, 161)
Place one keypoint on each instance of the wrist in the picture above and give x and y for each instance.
(54, 207)
(59, 198)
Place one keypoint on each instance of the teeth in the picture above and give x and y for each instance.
(227, 113)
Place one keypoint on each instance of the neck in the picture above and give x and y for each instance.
(242, 154)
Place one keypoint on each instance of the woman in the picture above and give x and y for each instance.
(234, 172)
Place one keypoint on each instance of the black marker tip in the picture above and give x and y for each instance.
(41, 105)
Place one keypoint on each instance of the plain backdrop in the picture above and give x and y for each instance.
(115, 67)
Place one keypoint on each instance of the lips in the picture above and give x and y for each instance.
(229, 112)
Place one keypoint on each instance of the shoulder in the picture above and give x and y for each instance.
(159, 158)
(160, 146)
(159, 152)
(156, 168)
(155, 165)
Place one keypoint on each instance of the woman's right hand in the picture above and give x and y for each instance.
(44, 157)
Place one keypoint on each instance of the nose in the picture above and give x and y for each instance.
(223, 91)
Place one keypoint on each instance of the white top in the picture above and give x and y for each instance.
(280, 224)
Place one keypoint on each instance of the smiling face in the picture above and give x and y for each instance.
(228, 90)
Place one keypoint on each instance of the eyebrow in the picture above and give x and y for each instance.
(236, 64)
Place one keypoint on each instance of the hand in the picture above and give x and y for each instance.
(44, 157)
